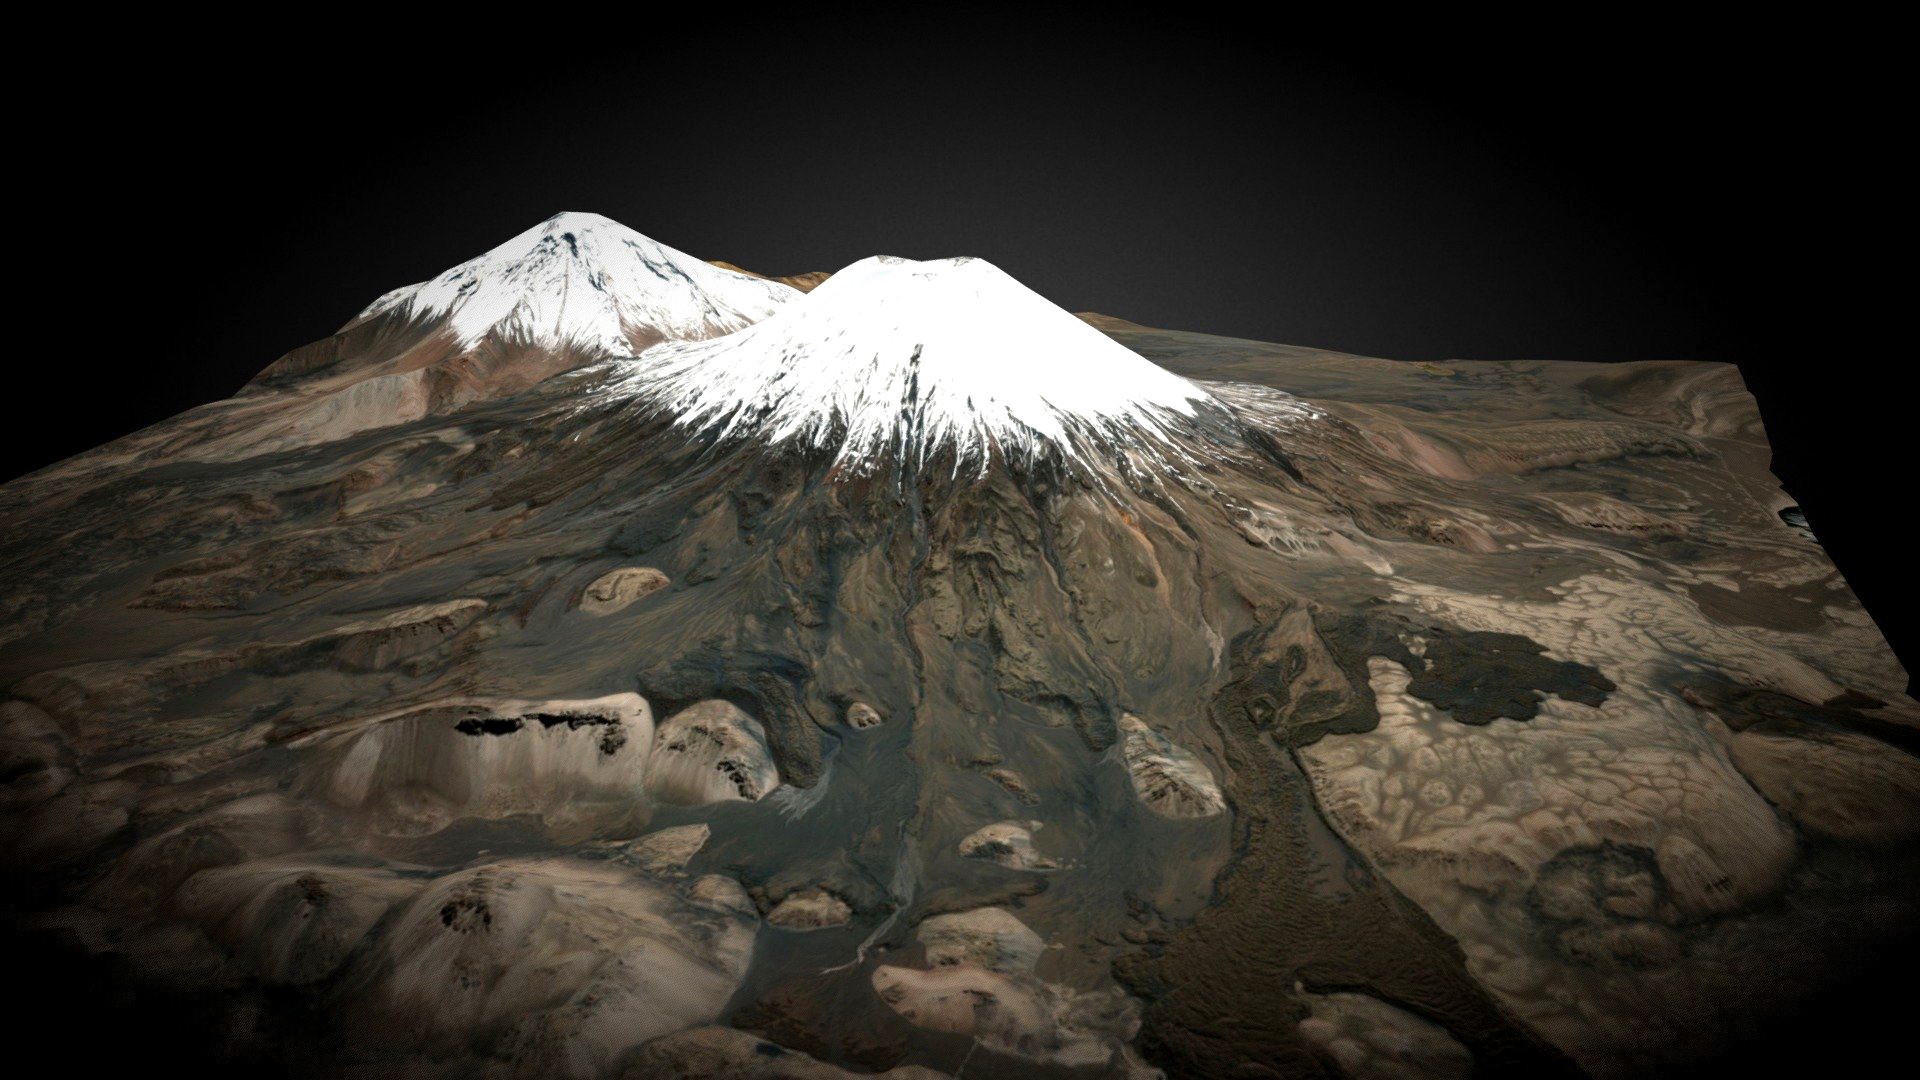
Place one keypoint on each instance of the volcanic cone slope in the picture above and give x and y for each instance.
(909, 361)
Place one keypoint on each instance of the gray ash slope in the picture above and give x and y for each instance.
(1267, 712)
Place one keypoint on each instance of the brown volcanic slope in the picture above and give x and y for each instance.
(1107, 324)
(806, 282)
(1471, 716)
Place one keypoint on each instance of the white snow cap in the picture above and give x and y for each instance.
(587, 281)
(896, 359)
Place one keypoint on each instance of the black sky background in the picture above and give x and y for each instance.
(190, 205)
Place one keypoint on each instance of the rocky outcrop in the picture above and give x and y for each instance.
(293, 920)
(990, 938)
(1009, 844)
(471, 959)
(1367, 1039)
(580, 764)
(809, 909)
(1167, 777)
(667, 852)
(617, 590)
(1019, 1015)
(1596, 511)
(247, 830)
(710, 751)
(381, 642)
(1832, 783)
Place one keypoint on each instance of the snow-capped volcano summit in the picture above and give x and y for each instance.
(893, 358)
(586, 281)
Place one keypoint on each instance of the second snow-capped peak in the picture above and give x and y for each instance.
(586, 281)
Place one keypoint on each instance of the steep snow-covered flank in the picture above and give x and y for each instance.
(591, 282)
(892, 359)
